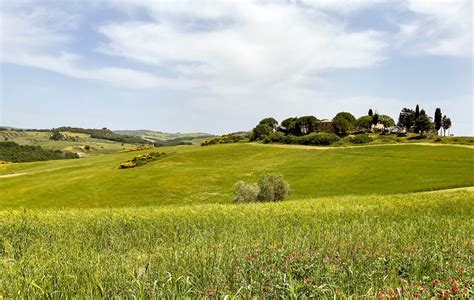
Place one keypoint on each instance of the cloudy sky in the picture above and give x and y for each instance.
(221, 66)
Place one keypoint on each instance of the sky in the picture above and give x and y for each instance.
(221, 66)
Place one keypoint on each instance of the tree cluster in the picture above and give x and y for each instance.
(366, 123)
(417, 121)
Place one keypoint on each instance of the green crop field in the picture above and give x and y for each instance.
(360, 222)
(199, 175)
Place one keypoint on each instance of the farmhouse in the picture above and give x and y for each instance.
(326, 125)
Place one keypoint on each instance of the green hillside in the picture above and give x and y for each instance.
(405, 246)
(41, 138)
(200, 175)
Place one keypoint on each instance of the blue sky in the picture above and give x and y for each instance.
(221, 66)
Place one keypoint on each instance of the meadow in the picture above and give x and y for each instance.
(361, 222)
(358, 246)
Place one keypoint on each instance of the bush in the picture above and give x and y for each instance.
(360, 139)
(270, 188)
(315, 139)
(141, 160)
(245, 192)
(417, 137)
(225, 139)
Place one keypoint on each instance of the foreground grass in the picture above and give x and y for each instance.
(192, 175)
(362, 246)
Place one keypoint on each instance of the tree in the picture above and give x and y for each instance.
(287, 124)
(308, 124)
(371, 113)
(260, 132)
(417, 111)
(446, 124)
(344, 122)
(406, 119)
(375, 119)
(422, 124)
(386, 121)
(364, 123)
(56, 136)
(438, 119)
(271, 122)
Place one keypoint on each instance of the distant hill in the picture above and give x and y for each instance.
(158, 136)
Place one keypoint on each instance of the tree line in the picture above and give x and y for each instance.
(13, 152)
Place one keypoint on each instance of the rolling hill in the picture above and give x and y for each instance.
(198, 175)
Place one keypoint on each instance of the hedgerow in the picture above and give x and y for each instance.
(13, 152)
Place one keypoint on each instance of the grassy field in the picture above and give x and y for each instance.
(359, 223)
(200, 175)
(98, 146)
(360, 246)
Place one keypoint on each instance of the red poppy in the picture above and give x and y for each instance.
(454, 289)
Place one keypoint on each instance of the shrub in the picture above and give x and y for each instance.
(360, 139)
(137, 148)
(270, 188)
(127, 165)
(225, 139)
(245, 192)
(278, 137)
(141, 160)
(318, 139)
(417, 137)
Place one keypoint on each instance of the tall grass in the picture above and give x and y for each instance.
(361, 246)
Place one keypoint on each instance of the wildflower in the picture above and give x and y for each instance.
(250, 258)
(463, 270)
(435, 282)
(309, 279)
(454, 289)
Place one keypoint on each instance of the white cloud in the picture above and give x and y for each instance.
(439, 27)
(34, 37)
(230, 45)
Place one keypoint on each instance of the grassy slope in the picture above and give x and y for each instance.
(351, 245)
(198, 175)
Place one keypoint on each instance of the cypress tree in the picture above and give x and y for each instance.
(438, 122)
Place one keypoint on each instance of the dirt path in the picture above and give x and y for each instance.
(467, 188)
(353, 147)
(12, 175)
